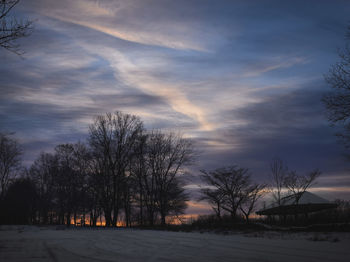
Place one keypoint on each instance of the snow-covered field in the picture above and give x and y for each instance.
(26, 243)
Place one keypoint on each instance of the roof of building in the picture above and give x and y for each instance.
(308, 202)
(305, 198)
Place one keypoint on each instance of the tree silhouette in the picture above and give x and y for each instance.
(337, 102)
(251, 196)
(11, 28)
(298, 184)
(167, 155)
(19, 203)
(122, 172)
(214, 197)
(10, 153)
(112, 137)
(278, 175)
(230, 182)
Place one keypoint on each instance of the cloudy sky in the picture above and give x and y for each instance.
(243, 79)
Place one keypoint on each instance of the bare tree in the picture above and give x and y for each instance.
(232, 182)
(278, 174)
(95, 191)
(140, 171)
(10, 160)
(112, 137)
(66, 181)
(251, 196)
(337, 102)
(215, 198)
(167, 155)
(81, 170)
(11, 29)
(176, 198)
(43, 172)
(101, 142)
(298, 184)
(62, 181)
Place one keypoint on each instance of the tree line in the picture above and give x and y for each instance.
(121, 174)
(126, 175)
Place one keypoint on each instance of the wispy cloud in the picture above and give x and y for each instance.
(244, 81)
(103, 17)
(259, 68)
(133, 75)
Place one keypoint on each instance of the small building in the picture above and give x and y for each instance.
(308, 203)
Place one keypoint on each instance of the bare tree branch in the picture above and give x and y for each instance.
(11, 29)
(298, 184)
(337, 101)
(231, 183)
(278, 175)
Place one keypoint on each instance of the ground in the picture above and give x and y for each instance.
(29, 243)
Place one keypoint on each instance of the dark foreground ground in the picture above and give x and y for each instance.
(30, 243)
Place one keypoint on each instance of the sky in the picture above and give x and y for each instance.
(243, 79)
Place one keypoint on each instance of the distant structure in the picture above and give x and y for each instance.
(307, 203)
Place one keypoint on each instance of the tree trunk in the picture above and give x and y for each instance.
(141, 207)
(115, 216)
(163, 219)
(107, 217)
(75, 218)
(247, 218)
(68, 219)
(150, 218)
(218, 211)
